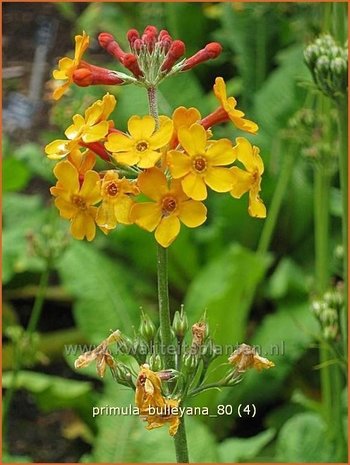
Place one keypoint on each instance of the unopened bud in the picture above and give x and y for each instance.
(209, 52)
(180, 324)
(176, 50)
(189, 363)
(132, 35)
(130, 62)
(155, 362)
(147, 329)
(108, 42)
(149, 37)
(94, 75)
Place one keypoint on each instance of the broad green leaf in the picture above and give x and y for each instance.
(280, 96)
(53, 392)
(303, 438)
(103, 293)
(222, 287)
(288, 279)
(244, 449)
(15, 175)
(283, 337)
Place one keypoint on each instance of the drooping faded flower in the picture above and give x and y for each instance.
(245, 357)
(153, 406)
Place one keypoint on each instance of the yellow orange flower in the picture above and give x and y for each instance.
(74, 201)
(116, 203)
(249, 180)
(83, 161)
(92, 127)
(200, 164)
(245, 357)
(171, 206)
(183, 117)
(143, 146)
(227, 110)
(67, 66)
(153, 406)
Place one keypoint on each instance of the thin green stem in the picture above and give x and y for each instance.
(163, 303)
(343, 171)
(278, 196)
(180, 439)
(31, 328)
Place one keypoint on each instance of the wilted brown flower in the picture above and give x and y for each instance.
(245, 357)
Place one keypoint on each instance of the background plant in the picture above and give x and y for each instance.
(288, 399)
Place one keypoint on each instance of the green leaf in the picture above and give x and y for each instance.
(15, 175)
(288, 280)
(280, 95)
(303, 438)
(103, 292)
(53, 392)
(222, 287)
(244, 449)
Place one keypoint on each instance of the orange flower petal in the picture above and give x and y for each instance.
(147, 215)
(153, 183)
(167, 230)
(141, 128)
(90, 189)
(83, 225)
(193, 139)
(242, 182)
(219, 179)
(192, 213)
(194, 186)
(221, 153)
(179, 163)
(67, 176)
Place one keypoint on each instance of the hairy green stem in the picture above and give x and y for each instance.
(274, 210)
(31, 328)
(180, 438)
(343, 170)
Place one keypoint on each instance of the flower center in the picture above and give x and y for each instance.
(199, 164)
(79, 202)
(142, 145)
(168, 205)
(112, 189)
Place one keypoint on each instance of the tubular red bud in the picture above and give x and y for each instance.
(177, 49)
(213, 49)
(210, 51)
(138, 45)
(107, 42)
(130, 62)
(149, 37)
(218, 116)
(163, 34)
(132, 35)
(97, 148)
(88, 75)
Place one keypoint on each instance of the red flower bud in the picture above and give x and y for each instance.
(107, 41)
(177, 49)
(130, 62)
(163, 34)
(138, 45)
(88, 75)
(149, 37)
(132, 35)
(97, 148)
(210, 51)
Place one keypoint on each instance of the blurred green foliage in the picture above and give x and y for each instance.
(260, 298)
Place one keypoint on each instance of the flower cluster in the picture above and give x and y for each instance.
(328, 63)
(172, 161)
(160, 393)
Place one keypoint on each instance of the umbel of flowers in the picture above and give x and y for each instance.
(172, 160)
(158, 176)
